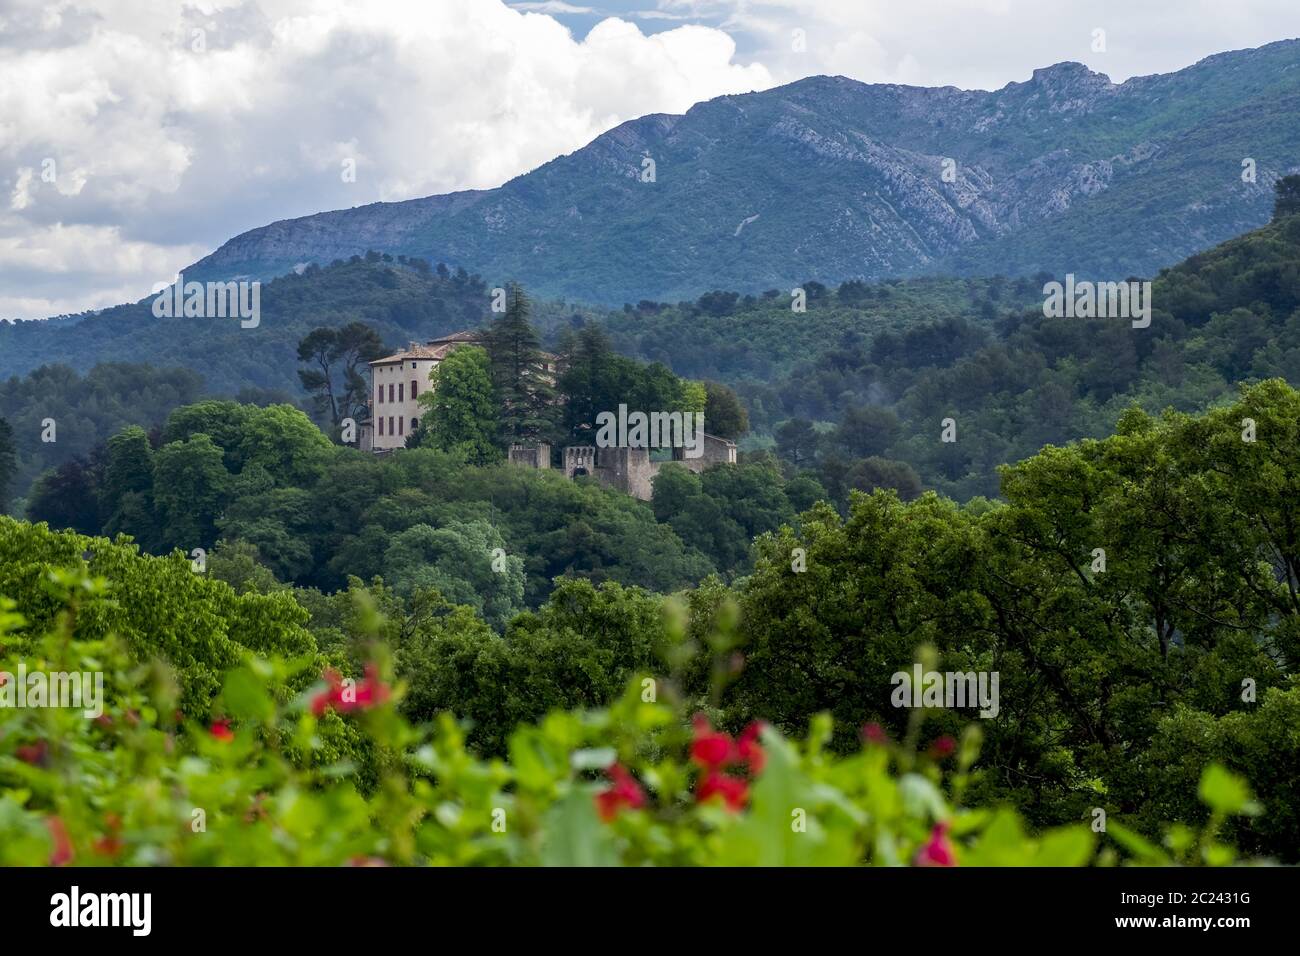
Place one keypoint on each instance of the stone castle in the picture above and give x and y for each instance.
(626, 469)
(398, 380)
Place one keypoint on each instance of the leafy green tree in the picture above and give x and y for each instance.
(459, 409)
(718, 303)
(724, 413)
(797, 442)
(279, 524)
(159, 606)
(721, 510)
(466, 561)
(596, 379)
(285, 443)
(191, 487)
(582, 645)
(1259, 743)
(88, 409)
(803, 491)
(337, 373)
(68, 496)
(656, 388)
(240, 565)
(875, 472)
(126, 493)
(593, 380)
(224, 422)
(694, 396)
(279, 440)
(866, 431)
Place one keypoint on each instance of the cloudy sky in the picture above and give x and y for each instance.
(138, 135)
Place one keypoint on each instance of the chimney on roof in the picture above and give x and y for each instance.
(412, 346)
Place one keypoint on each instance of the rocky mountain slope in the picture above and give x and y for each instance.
(829, 179)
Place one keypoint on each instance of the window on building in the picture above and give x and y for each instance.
(381, 394)
(381, 424)
(400, 424)
(390, 426)
(390, 391)
(414, 390)
(401, 391)
(415, 423)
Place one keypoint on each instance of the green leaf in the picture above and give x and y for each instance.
(1065, 846)
(1133, 842)
(575, 836)
(246, 698)
(1226, 793)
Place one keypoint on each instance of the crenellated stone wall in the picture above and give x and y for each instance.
(530, 456)
(628, 470)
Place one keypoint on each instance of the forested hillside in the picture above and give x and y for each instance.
(865, 410)
(1135, 594)
(55, 373)
(851, 392)
(400, 299)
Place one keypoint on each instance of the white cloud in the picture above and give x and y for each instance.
(551, 6)
(175, 125)
(985, 44)
(58, 269)
(163, 152)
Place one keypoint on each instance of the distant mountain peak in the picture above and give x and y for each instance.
(1065, 172)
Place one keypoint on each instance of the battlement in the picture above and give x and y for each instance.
(624, 468)
(530, 456)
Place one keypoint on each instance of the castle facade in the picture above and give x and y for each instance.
(397, 382)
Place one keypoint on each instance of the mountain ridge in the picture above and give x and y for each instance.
(835, 179)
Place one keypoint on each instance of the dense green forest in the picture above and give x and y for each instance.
(269, 763)
(865, 410)
(316, 513)
(852, 391)
(1135, 589)
(402, 299)
(1136, 595)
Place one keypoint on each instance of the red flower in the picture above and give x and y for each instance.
(62, 845)
(733, 790)
(221, 730)
(939, 850)
(37, 754)
(943, 747)
(711, 748)
(873, 733)
(110, 844)
(624, 792)
(750, 750)
(370, 692)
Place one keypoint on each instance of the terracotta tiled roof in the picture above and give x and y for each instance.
(469, 336)
(436, 349)
(419, 352)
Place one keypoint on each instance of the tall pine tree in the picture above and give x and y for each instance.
(525, 389)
